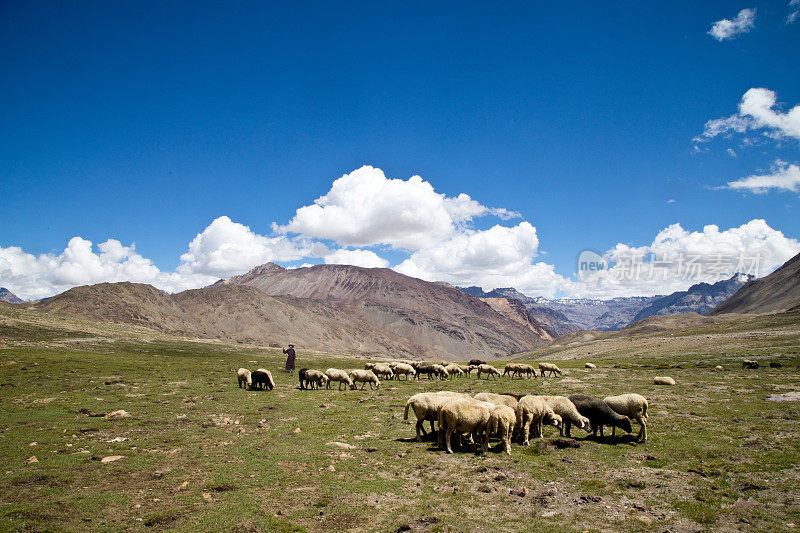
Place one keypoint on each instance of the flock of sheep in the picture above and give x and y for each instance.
(513, 417)
(507, 416)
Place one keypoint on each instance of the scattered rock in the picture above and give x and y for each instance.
(183, 486)
(111, 458)
(32, 459)
(339, 444)
(500, 477)
(296, 430)
(33, 444)
(331, 468)
(115, 415)
(570, 380)
(793, 396)
(718, 367)
(519, 491)
(207, 496)
(644, 519)
(118, 439)
(548, 514)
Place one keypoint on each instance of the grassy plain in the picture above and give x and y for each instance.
(198, 453)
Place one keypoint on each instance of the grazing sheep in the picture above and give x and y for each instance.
(549, 367)
(563, 407)
(440, 371)
(454, 370)
(465, 415)
(476, 362)
(750, 364)
(497, 399)
(369, 366)
(364, 377)
(502, 420)
(510, 368)
(634, 406)
(261, 378)
(599, 413)
(775, 364)
(316, 379)
(467, 369)
(383, 371)
(301, 375)
(426, 406)
(424, 369)
(488, 369)
(590, 366)
(334, 374)
(663, 380)
(533, 411)
(404, 369)
(244, 376)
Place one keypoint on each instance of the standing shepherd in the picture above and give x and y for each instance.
(290, 355)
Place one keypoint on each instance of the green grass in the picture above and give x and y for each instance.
(202, 454)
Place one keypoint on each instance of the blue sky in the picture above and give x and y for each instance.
(143, 122)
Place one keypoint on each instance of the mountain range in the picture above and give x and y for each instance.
(338, 308)
(566, 315)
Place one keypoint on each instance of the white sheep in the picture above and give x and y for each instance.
(364, 377)
(315, 377)
(369, 366)
(404, 369)
(465, 415)
(510, 368)
(426, 406)
(383, 371)
(334, 374)
(634, 406)
(488, 369)
(261, 377)
(663, 380)
(453, 370)
(563, 407)
(244, 377)
(502, 420)
(533, 411)
(497, 399)
(590, 366)
(440, 371)
(549, 367)
(526, 369)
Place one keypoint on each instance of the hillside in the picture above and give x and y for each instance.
(228, 313)
(516, 311)
(440, 320)
(780, 291)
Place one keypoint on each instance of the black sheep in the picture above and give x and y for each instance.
(598, 413)
(301, 375)
(476, 362)
(262, 379)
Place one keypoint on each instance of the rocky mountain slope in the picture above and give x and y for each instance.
(328, 307)
(8, 296)
(700, 298)
(436, 320)
(779, 291)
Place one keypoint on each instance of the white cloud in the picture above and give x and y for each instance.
(226, 248)
(34, 277)
(362, 258)
(795, 13)
(756, 113)
(784, 177)
(729, 29)
(365, 208)
(678, 258)
(497, 257)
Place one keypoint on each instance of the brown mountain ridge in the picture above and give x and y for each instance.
(326, 307)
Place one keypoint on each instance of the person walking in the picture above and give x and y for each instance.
(290, 356)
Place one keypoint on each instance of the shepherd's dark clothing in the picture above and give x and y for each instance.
(290, 355)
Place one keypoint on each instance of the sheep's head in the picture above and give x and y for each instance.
(585, 424)
(625, 423)
(554, 419)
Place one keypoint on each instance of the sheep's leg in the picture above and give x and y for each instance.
(448, 436)
(642, 430)
(420, 428)
(613, 431)
(526, 429)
